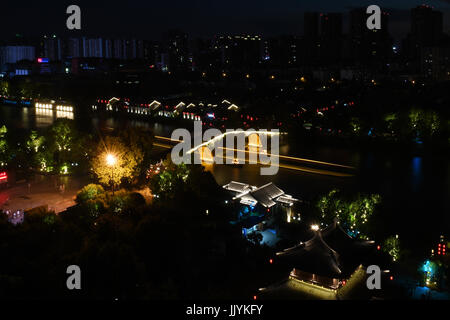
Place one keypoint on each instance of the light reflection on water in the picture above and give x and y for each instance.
(417, 174)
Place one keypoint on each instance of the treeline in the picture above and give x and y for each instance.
(179, 246)
(64, 149)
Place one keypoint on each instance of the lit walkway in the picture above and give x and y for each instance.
(45, 191)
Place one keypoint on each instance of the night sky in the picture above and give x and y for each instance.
(149, 19)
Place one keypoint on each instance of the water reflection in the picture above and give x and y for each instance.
(417, 174)
(46, 115)
(65, 114)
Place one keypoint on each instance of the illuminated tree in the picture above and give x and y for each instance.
(63, 134)
(392, 247)
(26, 89)
(89, 192)
(140, 143)
(432, 123)
(92, 199)
(415, 116)
(4, 88)
(355, 125)
(3, 144)
(35, 142)
(34, 149)
(353, 213)
(390, 120)
(172, 178)
(424, 123)
(114, 162)
(65, 147)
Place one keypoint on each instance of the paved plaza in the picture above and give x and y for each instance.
(56, 192)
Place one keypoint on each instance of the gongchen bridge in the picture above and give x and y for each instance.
(254, 146)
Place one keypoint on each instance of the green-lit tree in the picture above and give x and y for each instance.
(65, 147)
(27, 89)
(63, 134)
(35, 150)
(3, 145)
(4, 88)
(390, 121)
(355, 126)
(172, 178)
(353, 213)
(392, 247)
(424, 124)
(92, 199)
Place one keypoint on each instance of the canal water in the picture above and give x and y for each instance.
(415, 189)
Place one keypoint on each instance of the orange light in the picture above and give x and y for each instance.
(255, 297)
(271, 261)
(378, 248)
(392, 278)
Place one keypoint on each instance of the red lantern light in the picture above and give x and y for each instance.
(255, 297)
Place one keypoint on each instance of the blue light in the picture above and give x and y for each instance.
(427, 267)
(211, 115)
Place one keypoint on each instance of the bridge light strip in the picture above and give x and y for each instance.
(293, 158)
(230, 133)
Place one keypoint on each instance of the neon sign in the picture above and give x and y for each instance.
(3, 177)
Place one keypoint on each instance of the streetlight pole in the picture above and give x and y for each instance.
(111, 161)
(112, 179)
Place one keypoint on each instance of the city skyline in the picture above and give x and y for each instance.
(150, 20)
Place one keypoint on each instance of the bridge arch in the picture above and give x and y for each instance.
(254, 140)
(206, 154)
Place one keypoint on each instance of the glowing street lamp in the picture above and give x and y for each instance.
(111, 161)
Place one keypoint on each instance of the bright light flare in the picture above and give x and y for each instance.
(111, 160)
